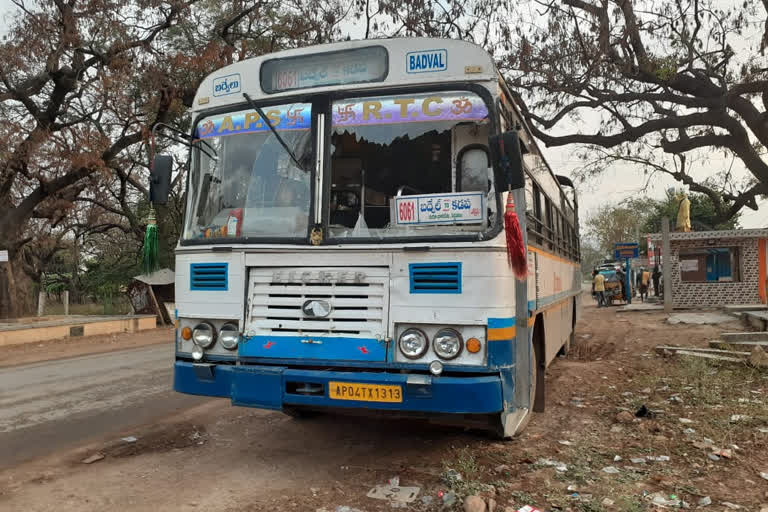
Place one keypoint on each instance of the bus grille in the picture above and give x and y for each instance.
(358, 297)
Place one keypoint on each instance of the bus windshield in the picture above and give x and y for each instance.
(243, 183)
(400, 166)
(410, 165)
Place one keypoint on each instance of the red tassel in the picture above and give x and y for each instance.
(517, 256)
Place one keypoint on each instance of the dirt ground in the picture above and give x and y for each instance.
(219, 458)
(25, 353)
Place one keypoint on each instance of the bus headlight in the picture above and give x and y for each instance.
(447, 344)
(228, 335)
(413, 343)
(204, 335)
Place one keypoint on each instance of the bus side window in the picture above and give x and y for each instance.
(549, 233)
(537, 211)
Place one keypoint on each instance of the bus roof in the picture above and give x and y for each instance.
(328, 67)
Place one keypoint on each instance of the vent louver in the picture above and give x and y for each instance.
(208, 276)
(435, 277)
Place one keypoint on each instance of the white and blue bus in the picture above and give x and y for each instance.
(343, 244)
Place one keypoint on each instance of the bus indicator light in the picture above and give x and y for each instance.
(473, 345)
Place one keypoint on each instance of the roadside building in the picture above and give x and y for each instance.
(715, 268)
(154, 294)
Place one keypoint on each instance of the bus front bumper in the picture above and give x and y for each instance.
(273, 387)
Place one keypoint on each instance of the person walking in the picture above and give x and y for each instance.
(645, 280)
(655, 277)
(599, 284)
(623, 282)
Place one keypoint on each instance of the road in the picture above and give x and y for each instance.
(51, 405)
(195, 453)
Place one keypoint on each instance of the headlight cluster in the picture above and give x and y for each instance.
(447, 343)
(204, 336)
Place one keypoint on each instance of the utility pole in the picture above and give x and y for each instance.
(666, 268)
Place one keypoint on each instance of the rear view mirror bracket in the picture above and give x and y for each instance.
(507, 160)
(160, 179)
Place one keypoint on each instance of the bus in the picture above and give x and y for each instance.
(343, 246)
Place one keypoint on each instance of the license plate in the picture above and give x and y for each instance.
(365, 392)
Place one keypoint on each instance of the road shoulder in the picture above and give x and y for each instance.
(36, 352)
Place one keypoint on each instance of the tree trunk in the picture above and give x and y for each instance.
(17, 291)
(7, 291)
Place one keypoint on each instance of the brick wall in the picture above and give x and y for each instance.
(745, 291)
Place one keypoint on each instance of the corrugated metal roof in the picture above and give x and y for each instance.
(706, 235)
(159, 277)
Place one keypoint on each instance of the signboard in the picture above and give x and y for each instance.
(426, 61)
(297, 116)
(3, 256)
(449, 208)
(626, 250)
(411, 108)
(689, 265)
(359, 65)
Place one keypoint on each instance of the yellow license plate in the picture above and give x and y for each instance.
(365, 392)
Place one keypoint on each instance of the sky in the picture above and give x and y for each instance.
(616, 184)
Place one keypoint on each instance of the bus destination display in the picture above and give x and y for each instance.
(337, 68)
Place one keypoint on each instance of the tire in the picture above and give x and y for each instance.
(566, 348)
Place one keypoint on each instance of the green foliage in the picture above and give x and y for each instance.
(107, 275)
(703, 214)
(632, 219)
(591, 257)
(616, 223)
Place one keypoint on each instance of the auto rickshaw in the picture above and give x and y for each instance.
(613, 287)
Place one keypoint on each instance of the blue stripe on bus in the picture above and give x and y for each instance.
(501, 323)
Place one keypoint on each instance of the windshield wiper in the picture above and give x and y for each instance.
(274, 131)
(187, 139)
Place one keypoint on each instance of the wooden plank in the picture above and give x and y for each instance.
(662, 348)
(715, 357)
(157, 306)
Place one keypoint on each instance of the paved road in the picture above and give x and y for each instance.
(50, 405)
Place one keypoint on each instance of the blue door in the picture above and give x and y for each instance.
(718, 264)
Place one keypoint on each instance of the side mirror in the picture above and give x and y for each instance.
(507, 160)
(160, 179)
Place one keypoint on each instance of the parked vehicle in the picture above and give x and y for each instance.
(344, 242)
(613, 288)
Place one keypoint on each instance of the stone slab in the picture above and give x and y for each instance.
(699, 318)
(744, 336)
(744, 307)
(639, 307)
(738, 344)
(757, 319)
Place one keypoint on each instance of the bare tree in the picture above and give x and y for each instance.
(649, 83)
